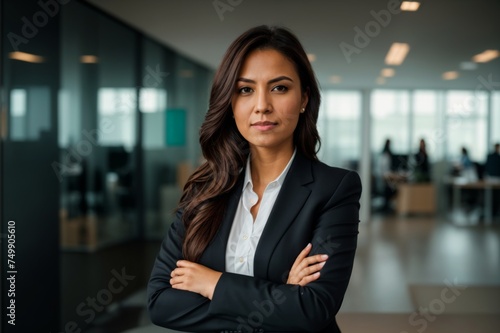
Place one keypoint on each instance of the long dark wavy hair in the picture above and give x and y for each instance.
(206, 192)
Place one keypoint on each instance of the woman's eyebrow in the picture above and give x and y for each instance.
(277, 79)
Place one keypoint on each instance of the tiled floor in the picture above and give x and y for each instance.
(407, 268)
(403, 323)
(397, 253)
(403, 267)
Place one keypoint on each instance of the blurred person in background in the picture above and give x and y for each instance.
(465, 166)
(386, 178)
(492, 167)
(422, 172)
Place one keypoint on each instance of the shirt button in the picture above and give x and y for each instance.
(241, 259)
(245, 237)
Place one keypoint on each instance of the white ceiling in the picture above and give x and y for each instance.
(441, 34)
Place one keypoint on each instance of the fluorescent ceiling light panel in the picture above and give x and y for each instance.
(186, 73)
(397, 54)
(486, 56)
(410, 6)
(335, 79)
(451, 75)
(89, 59)
(388, 72)
(28, 57)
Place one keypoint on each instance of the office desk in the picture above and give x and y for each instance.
(419, 198)
(481, 185)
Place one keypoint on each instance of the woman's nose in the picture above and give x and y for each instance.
(263, 102)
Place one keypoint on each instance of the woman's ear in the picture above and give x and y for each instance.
(305, 99)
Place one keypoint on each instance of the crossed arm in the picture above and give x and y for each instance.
(202, 280)
(191, 297)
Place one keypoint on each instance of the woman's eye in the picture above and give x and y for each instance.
(244, 90)
(280, 88)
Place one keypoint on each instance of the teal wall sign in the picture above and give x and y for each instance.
(175, 127)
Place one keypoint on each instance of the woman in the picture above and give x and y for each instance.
(265, 234)
(422, 168)
(386, 176)
(465, 162)
(466, 167)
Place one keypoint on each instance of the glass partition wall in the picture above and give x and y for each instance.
(129, 112)
(173, 101)
(97, 133)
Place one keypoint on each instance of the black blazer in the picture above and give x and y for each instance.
(317, 204)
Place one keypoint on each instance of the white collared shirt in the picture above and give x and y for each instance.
(245, 232)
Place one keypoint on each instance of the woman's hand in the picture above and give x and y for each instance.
(306, 269)
(194, 277)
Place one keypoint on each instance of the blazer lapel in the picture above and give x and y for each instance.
(292, 196)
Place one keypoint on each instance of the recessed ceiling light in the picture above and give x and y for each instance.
(397, 54)
(486, 56)
(380, 80)
(28, 57)
(311, 57)
(451, 75)
(186, 73)
(335, 79)
(410, 6)
(387, 72)
(89, 59)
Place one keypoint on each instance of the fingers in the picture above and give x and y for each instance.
(178, 272)
(319, 258)
(175, 281)
(185, 263)
(316, 258)
(303, 254)
(309, 270)
(306, 269)
(308, 279)
(180, 277)
(182, 268)
(292, 275)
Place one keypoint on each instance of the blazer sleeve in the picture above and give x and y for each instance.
(178, 309)
(281, 307)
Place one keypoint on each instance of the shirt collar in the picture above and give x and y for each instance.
(279, 180)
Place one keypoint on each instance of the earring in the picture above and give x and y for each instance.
(303, 110)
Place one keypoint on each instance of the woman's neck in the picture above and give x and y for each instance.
(267, 165)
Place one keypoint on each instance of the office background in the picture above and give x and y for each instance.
(101, 102)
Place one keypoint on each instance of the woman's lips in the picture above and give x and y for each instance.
(264, 125)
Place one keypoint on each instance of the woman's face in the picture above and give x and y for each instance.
(268, 100)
